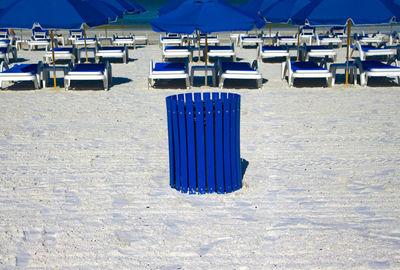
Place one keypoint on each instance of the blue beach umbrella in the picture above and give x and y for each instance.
(341, 12)
(206, 16)
(254, 7)
(51, 14)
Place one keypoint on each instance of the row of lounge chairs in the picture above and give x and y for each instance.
(38, 73)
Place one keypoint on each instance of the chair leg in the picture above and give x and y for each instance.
(259, 83)
(187, 83)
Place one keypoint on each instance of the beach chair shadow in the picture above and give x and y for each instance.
(243, 165)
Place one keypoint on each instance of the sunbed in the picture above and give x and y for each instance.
(5, 53)
(171, 40)
(238, 70)
(177, 52)
(90, 42)
(286, 40)
(267, 51)
(89, 72)
(21, 72)
(141, 39)
(60, 53)
(113, 52)
(124, 40)
(304, 70)
(307, 32)
(373, 68)
(338, 31)
(250, 40)
(221, 51)
(169, 71)
(320, 51)
(328, 39)
(211, 40)
(369, 50)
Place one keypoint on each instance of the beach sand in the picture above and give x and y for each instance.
(84, 177)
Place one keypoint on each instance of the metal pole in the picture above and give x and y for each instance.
(84, 34)
(205, 61)
(122, 25)
(54, 59)
(270, 38)
(348, 50)
(199, 37)
(105, 30)
(22, 40)
(298, 43)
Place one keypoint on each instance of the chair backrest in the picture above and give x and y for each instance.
(307, 30)
(76, 33)
(338, 30)
(38, 32)
(4, 33)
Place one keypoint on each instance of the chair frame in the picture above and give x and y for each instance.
(287, 68)
(124, 54)
(245, 75)
(105, 76)
(168, 75)
(364, 74)
(36, 78)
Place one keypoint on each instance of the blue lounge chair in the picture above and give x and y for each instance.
(221, 52)
(238, 70)
(177, 52)
(60, 53)
(268, 51)
(112, 52)
(373, 68)
(168, 71)
(89, 72)
(5, 53)
(304, 70)
(124, 40)
(21, 72)
(369, 50)
(319, 51)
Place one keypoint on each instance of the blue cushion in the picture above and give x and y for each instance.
(373, 64)
(243, 37)
(367, 48)
(170, 38)
(3, 49)
(318, 47)
(125, 38)
(223, 48)
(22, 68)
(238, 66)
(273, 48)
(112, 48)
(169, 67)
(100, 67)
(176, 48)
(322, 37)
(5, 40)
(62, 49)
(305, 66)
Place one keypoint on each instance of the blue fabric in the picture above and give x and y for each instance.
(205, 15)
(100, 67)
(112, 48)
(124, 38)
(317, 47)
(367, 48)
(284, 10)
(373, 64)
(169, 67)
(249, 37)
(337, 12)
(273, 48)
(62, 49)
(5, 40)
(3, 50)
(176, 47)
(305, 66)
(23, 68)
(237, 66)
(169, 6)
(216, 48)
(50, 14)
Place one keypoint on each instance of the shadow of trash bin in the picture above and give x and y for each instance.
(204, 142)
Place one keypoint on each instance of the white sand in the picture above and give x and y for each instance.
(84, 180)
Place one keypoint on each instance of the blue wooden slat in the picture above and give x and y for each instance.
(183, 144)
(239, 166)
(219, 157)
(210, 146)
(191, 143)
(170, 143)
(175, 125)
(233, 142)
(227, 148)
(200, 146)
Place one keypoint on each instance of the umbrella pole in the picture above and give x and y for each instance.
(270, 38)
(122, 25)
(205, 61)
(298, 43)
(54, 59)
(348, 50)
(105, 30)
(198, 37)
(22, 40)
(84, 34)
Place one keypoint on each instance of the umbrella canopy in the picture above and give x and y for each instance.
(171, 5)
(284, 10)
(206, 16)
(338, 12)
(51, 14)
(254, 7)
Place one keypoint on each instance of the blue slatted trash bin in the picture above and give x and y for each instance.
(204, 142)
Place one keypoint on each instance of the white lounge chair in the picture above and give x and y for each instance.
(368, 39)
(40, 38)
(250, 40)
(21, 72)
(124, 40)
(328, 40)
(141, 39)
(320, 51)
(267, 51)
(90, 42)
(369, 50)
(113, 52)
(90, 72)
(74, 35)
(5, 53)
(373, 68)
(304, 70)
(177, 52)
(168, 71)
(211, 40)
(238, 70)
(338, 31)
(60, 53)
(171, 40)
(221, 52)
(307, 32)
(286, 40)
